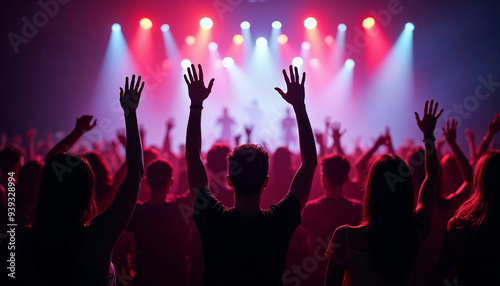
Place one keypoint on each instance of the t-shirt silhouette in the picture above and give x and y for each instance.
(161, 239)
(239, 250)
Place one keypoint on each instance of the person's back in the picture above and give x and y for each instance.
(356, 257)
(160, 240)
(325, 214)
(160, 232)
(383, 249)
(471, 241)
(246, 245)
(240, 250)
(67, 243)
(477, 256)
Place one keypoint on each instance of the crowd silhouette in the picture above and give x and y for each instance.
(421, 214)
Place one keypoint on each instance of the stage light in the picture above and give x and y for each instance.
(261, 42)
(213, 46)
(227, 62)
(245, 25)
(342, 27)
(146, 24)
(409, 26)
(329, 40)
(310, 23)
(238, 39)
(368, 23)
(190, 40)
(185, 63)
(116, 27)
(206, 23)
(306, 45)
(165, 28)
(297, 61)
(314, 62)
(349, 63)
(276, 25)
(282, 39)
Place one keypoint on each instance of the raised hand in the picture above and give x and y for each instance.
(120, 135)
(84, 123)
(129, 98)
(196, 86)
(319, 136)
(428, 122)
(237, 139)
(494, 125)
(470, 135)
(450, 132)
(295, 93)
(336, 133)
(381, 140)
(170, 124)
(248, 130)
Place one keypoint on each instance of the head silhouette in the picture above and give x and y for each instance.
(217, 158)
(335, 170)
(102, 174)
(159, 175)
(416, 163)
(11, 159)
(393, 240)
(282, 159)
(66, 192)
(481, 210)
(389, 193)
(248, 169)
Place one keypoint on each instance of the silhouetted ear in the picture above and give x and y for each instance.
(229, 181)
(170, 182)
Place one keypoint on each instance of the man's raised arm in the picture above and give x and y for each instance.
(295, 95)
(197, 175)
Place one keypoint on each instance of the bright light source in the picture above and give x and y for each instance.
(206, 23)
(227, 62)
(261, 42)
(190, 40)
(213, 46)
(368, 23)
(297, 61)
(409, 26)
(116, 27)
(314, 62)
(146, 24)
(276, 25)
(165, 28)
(245, 25)
(342, 27)
(238, 39)
(282, 39)
(329, 40)
(306, 45)
(185, 63)
(310, 23)
(349, 63)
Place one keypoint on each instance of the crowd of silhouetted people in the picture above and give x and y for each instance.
(127, 213)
